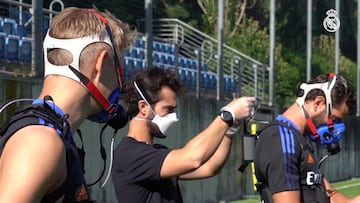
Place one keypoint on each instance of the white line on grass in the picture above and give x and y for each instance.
(347, 186)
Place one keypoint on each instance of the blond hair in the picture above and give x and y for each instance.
(75, 22)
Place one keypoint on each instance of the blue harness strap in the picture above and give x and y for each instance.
(46, 113)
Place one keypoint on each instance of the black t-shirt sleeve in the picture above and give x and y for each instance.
(276, 159)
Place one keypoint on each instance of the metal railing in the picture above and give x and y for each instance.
(251, 75)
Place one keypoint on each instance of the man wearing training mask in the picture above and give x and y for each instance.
(39, 161)
(148, 172)
(286, 165)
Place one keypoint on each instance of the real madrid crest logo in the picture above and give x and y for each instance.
(331, 23)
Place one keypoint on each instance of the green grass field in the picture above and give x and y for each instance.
(348, 187)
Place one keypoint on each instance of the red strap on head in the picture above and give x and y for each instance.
(330, 123)
(312, 128)
(97, 14)
(118, 67)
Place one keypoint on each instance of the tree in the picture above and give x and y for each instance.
(234, 13)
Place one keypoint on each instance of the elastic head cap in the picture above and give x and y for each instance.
(75, 47)
(326, 87)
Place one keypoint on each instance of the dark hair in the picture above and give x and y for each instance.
(150, 81)
(341, 92)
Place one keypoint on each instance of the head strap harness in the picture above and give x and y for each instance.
(326, 87)
(75, 47)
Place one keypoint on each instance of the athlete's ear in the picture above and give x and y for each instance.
(143, 107)
(99, 62)
(319, 103)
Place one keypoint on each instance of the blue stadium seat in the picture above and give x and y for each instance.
(192, 63)
(233, 86)
(184, 76)
(182, 62)
(157, 46)
(140, 43)
(212, 80)
(1, 24)
(10, 26)
(205, 80)
(140, 53)
(3, 37)
(162, 58)
(209, 80)
(139, 64)
(128, 67)
(25, 50)
(181, 74)
(204, 67)
(193, 75)
(129, 63)
(133, 52)
(227, 83)
(127, 53)
(12, 48)
(188, 77)
(168, 48)
(23, 31)
(156, 57)
(169, 59)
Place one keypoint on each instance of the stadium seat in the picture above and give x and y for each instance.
(181, 74)
(227, 83)
(208, 80)
(25, 50)
(204, 67)
(129, 63)
(168, 48)
(233, 85)
(3, 37)
(212, 80)
(140, 53)
(140, 43)
(10, 26)
(12, 48)
(139, 64)
(162, 58)
(23, 31)
(192, 63)
(182, 62)
(156, 57)
(155, 46)
(128, 67)
(128, 53)
(190, 77)
(169, 59)
(204, 80)
(1, 24)
(133, 52)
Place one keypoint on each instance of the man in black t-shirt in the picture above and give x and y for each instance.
(147, 172)
(286, 167)
(137, 173)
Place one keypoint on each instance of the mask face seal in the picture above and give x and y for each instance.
(162, 122)
(332, 131)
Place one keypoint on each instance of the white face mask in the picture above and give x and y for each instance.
(162, 122)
